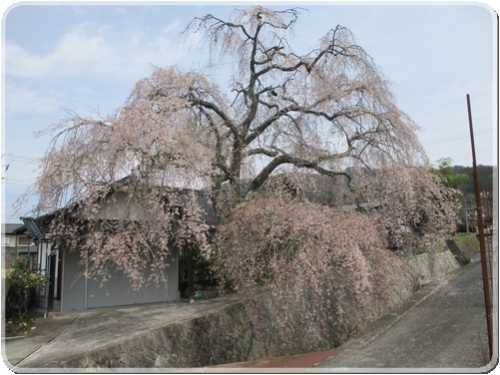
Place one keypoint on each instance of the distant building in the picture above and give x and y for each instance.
(15, 242)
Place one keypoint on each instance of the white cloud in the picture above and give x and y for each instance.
(122, 11)
(20, 63)
(74, 53)
(19, 99)
(82, 90)
(80, 10)
(81, 52)
(173, 25)
(81, 49)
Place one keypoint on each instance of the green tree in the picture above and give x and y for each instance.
(485, 176)
(22, 278)
(449, 177)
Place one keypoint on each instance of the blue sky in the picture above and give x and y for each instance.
(85, 57)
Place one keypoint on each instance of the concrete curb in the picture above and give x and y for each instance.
(304, 360)
(13, 338)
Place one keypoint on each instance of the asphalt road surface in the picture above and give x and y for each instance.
(447, 329)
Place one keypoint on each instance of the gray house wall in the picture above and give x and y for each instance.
(121, 207)
(73, 282)
(80, 293)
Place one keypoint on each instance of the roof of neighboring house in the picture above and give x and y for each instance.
(10, 228)
(19, 249)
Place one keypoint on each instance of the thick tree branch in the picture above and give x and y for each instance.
(259, 180)
(213, 107)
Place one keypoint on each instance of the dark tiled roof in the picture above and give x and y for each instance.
(20, 250)
(11, 228)
(34, 230)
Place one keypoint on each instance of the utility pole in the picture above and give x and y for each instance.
(482, 247)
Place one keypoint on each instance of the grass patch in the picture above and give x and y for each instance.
(422, 255)
(469, 238)
(458, 237)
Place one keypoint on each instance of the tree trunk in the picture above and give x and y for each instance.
(190, 265)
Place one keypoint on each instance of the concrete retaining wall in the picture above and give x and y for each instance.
(428, 267)
(463, 248)
(222, 336)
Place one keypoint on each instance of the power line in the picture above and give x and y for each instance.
(10, 159)
(455, 122)
(455, 138)
(11, 181)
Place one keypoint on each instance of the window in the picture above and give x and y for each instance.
(5, 240)
(23, 240)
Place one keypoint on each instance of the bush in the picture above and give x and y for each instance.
(22, 279)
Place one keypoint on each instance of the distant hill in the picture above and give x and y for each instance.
(485, 174)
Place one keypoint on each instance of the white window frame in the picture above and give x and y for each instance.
(23, 240)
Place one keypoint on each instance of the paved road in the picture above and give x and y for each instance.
(446, 329)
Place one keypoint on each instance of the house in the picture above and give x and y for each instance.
(70, 290)
(16, 243)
